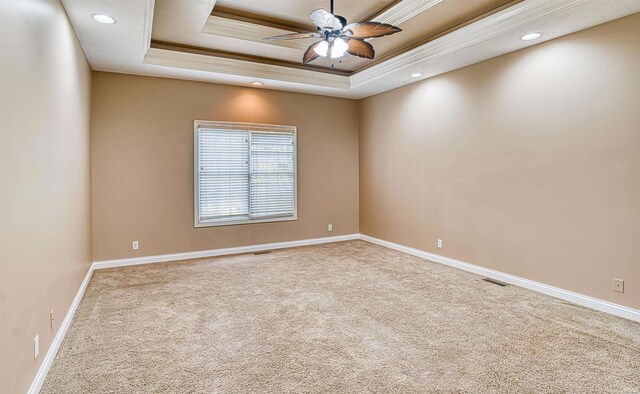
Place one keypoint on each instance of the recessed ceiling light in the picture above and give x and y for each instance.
(257, 83)
(102, 18)
(531, 36)
(416, 75)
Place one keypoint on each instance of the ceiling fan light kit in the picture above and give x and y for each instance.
(339, 38)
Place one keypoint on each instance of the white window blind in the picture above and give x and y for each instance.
(272, 180)
(244, 173)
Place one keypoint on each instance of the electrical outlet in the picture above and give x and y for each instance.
(36, 346)
(618, 285)
(51, 320)
(135, 245)
(330, 227)
(439, 244)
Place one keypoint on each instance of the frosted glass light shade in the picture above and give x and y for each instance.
(339, 48)
(322, 49)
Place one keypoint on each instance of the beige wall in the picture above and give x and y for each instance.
(45, 184)
(528, 163)
(142, 147)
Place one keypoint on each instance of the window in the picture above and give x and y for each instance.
(244, 173)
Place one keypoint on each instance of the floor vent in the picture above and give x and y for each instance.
(262, 252)
(495, 282)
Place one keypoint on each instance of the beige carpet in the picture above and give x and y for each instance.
(344, 317)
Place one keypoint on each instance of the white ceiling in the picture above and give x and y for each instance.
(125, 46)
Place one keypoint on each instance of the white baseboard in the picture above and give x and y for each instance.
(38, 381)
(220, 252)
(576, 298)
(40, 377)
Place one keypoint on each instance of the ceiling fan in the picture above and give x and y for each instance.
(338, 37)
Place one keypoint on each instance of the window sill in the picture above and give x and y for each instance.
(242, 222)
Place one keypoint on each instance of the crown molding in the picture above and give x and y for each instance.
(254, 30)
(129, 47)
(148, 24)
(501, 22)
(245, 57)
(404, 10)
(243, 68)
(248, 28)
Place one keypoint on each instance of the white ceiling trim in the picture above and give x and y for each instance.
(247, 31)
(484, 29)
(243, 68)
(509, 19)
(148, 24)
(125, 46)
(404, 10)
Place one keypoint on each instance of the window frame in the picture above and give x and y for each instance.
(197, 124)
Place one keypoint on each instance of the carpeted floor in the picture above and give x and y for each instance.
(343, 317)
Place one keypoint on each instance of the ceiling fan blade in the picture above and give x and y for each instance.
(369, 30)
(293, 36)
(310, 54)
(325, 20)
(360, 48)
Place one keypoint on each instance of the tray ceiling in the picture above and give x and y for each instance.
(222, 41)
(239, 27)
